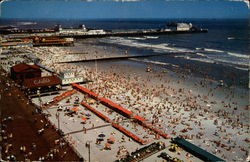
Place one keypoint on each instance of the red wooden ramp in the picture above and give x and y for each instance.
(116, 107)
(105, 101)
(85, 90)
(139, 118)
(142, 121)
(60, 98)
(164, 135)
(105, 118)
(117, 126)
(128, 133)
(122, 111)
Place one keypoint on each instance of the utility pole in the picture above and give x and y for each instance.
(96, 69)
(58, 120)
(88, 145)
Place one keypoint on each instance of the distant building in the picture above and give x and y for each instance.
(82, 30)
(68, 77)
(180, 26)
(96, 32)
(52, 41)
(183, 26)
(15, 44)
(23, 71)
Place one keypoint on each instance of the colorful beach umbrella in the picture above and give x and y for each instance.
(107, 144)
(83, 118)
(75, 109)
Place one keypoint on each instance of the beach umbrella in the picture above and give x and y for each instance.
(101, 135)
(107, 144)
(83, 118)
(75, 109)
(111, 140)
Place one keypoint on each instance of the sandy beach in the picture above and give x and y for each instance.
(214, 117)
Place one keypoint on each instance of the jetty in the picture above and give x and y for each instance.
(110, 58)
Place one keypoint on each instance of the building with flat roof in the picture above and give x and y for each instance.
(41, 85)
(68, 77)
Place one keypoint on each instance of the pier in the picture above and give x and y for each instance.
(111, 58)
(82, 32)
(134, 33)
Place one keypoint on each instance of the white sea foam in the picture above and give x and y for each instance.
(155, 62)
(201, 54)
(200, 49)
(196, 59)
(162, 48)
(214, 50)
(201, 60)
(169, 48)
(138, 38)
(151, 37)
(241, 68)
(233, 62)
(238, 55)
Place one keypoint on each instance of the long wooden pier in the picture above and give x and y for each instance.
(87, 34)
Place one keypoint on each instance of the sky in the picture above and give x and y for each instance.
(109, 9)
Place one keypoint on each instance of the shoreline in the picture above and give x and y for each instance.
(210, 70)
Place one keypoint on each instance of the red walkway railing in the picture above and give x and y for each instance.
(105, 118)
(85, 90)
(121, 110)
(116, 107)
(60, 97)
(117, 126)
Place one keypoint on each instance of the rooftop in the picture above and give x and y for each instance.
(23, 66)
(41, 82)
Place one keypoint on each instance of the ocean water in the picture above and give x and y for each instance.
(222, 53)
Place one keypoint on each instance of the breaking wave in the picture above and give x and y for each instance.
(238, 55)
(213, 50)
(205, 55)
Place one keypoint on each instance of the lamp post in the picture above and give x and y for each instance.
(96, 69)
(88, 146)
(39, 95)
(58, 119)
